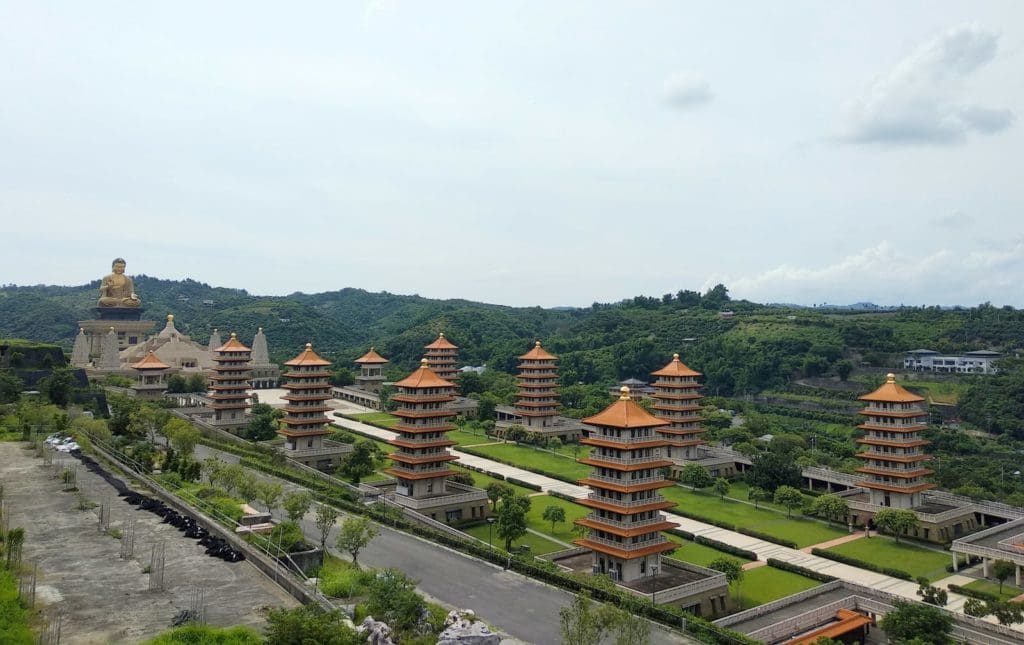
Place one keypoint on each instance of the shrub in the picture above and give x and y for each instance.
(974, 593)
(519, 482)
(803, 571)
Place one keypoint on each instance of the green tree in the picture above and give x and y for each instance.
(196, 383)
(392, 598)
(183, 436)
(769, 470)
(722, 486)
(976, 607)
(342, 377)
(895, 521)
(908, 620)
(496, 491)
(1001, 570)
(296, 504)
(511, 522)
(843, 369)
(789, 498)
(58, 385)
(695, 476)
(10, 387)
(356, 532)
(515, 433)
(626, 628)
(212, 467)
(554, 514)
(307, 624)
(758, 495)
(176, 384)
(359, 463)
(579, 622)
(269, 493)
(732, 569)
(326, 516)
(463, 477)
(1007, 613)
(261, 427)
(931, 594)
(832, 507)
(247, 485)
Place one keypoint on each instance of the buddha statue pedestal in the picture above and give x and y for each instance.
(119, 313)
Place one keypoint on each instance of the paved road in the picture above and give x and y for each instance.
(520, 606)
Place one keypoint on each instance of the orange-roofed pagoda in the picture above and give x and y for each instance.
(420, 464)
(442, 355)
(893, 458)
(305, 422)
(537, 399)
(677, 400)
(626, 521)
(230, 388)
(152, 379)
(371, 370)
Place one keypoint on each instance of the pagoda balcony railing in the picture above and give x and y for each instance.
(626, 461)
(417, 439)
(401, 468)
(625, 440)
(626, 482)
(627, 546)
(626, 524)
(626, 502)
(424, 426)
(327, 447)
(909, 485)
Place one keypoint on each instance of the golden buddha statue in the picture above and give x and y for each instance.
(117, 289)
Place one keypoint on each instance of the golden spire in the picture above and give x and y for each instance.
(675, 357)
(170, 318)
(424, 363)
(625, 393)
(233, 335)
(309, 346)
(537, 344)
(890, 378)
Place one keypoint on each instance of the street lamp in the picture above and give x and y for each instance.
(490, 527)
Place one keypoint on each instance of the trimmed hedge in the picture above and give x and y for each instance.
(862, 564)
(974, 593)
(767, 538)
(804, 571)
(559, 495)
(519, 482)
(715, 544)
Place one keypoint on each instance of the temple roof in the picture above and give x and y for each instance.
(538, 353)
(371, 357)
(307, 357)
(169, 329)
(890, 392)
(441, 343)
(676, 368)
(625, 413)
(233, 345)
(150, 362)
(424, 377)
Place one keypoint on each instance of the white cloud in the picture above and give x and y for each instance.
(686, 90)
(922, 99)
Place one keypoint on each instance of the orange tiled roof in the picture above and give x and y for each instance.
(538, 353)
(308, 357)
(424, 377)
(625, 413)
(371, 357)
(233, 345)
(676, 368)
(441, 343)
(150, 362)
(890, 392)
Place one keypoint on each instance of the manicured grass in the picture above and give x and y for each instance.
(739, 490)
(1009, 591)
(765, 584)
(481, 480)
(532, 459)
(538, 545)
(699, 554)
(468, 438)
(804, 532)
(916, 560)
(377, 418)
(563, 530)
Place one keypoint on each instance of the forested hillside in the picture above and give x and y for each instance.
(754, 348)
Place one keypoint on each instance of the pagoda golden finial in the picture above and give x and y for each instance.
(537, 344)
(440, 335)
(424, 363)
(259, 330)
(625, 393)
(371, 348)
(890, 378)
(675, 357)
(233, 335)
(170, 318)
(309, 346)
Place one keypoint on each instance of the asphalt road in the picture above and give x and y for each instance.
(523, 608)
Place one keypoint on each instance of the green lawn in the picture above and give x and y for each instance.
(765, 584)
(804, 532)
(538, 545)
(563, 530)
(916, 560)
(1009, 591)
(532, 459)
(464, 438)
(694, 553)
(378, 418)
(481, 480)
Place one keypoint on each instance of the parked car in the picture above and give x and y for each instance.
(68, 447)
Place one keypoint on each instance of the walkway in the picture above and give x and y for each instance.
(763, 549)
(836, 542)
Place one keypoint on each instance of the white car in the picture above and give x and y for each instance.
(54, 439)
(68, 447)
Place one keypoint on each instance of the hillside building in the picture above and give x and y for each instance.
(229, 388)
(677, 401)
(977, 362)
(371, 371)
(421, 461)
(151, 382)
(305, 423)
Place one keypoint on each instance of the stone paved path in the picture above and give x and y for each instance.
(836, 542)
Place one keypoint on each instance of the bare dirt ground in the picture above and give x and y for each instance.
(103, 598)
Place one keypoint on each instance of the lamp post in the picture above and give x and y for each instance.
(490, 528)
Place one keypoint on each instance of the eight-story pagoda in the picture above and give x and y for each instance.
(677, 400)
(442, 356)
(537, 399)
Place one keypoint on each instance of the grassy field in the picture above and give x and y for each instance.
(481, 480)
(1009, 591)
(538, 545)
(804, 532)
(699, 554)
(468, 438)
(916, 560)
(563, 530)
(765, 584)
(378, 418)
(532, 459)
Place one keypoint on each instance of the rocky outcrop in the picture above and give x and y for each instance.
(462, 628)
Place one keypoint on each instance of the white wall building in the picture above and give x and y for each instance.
(926, 360)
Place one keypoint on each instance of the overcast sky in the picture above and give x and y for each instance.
(540, 153)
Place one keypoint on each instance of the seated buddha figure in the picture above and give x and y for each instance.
(117, 289)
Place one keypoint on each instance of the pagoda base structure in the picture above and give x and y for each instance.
(129, 331)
